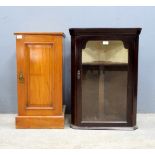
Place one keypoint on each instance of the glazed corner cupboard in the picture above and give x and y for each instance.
(104, 69)
(39, 80)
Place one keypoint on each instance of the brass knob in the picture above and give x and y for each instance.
(21, 77)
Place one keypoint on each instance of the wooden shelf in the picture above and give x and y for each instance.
(93, 63)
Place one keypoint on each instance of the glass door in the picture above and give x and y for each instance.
(104, 81)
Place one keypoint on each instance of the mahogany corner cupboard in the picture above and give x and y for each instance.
(104, 70)
(39, 80)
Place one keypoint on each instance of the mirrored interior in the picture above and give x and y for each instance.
(104, 81)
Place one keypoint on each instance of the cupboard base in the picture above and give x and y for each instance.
(104, 128)
(40, 122)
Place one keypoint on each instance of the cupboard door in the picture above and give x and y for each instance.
(39, 75)
(104, 82)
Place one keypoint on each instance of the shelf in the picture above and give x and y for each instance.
(98, 63)
(105, 65)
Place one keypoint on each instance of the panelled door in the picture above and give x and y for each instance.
(39, 74)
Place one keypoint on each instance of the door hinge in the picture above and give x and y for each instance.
(78, 74)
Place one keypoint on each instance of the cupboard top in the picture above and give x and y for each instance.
(41, 33)
(103, 31)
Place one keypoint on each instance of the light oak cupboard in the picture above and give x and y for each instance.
(39, 80)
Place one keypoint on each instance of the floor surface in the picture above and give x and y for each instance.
(143, 137)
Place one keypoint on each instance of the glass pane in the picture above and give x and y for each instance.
(104, 81)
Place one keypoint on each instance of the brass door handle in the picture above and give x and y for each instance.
(21, 77)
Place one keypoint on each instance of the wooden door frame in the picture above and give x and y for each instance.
(23, 110)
